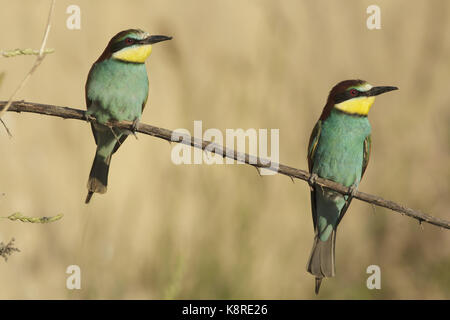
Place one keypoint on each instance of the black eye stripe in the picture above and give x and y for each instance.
(346, 95)
(122, 44)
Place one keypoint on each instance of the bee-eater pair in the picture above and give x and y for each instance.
(339, 147)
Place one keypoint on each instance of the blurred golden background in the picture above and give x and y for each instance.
(221, 231)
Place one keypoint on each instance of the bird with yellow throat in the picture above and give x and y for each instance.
(339, 150)
(116, 90)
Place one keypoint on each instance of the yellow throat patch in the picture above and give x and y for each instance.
(134, 54)
(359, 105)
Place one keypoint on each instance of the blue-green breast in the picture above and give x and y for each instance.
(117, 90)
(340, 150)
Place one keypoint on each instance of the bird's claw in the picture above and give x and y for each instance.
(312, 180)
(134, 127)
(352, 190)
(351, 193)
(89, 118)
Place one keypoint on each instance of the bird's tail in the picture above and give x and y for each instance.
(98, 177)
(321, 261)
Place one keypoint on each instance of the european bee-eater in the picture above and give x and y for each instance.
(116, 90)
(339, 150)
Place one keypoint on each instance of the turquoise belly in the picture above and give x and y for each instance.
(340, 151)
(117, 90)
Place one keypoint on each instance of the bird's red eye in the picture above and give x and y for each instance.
(129, 41)
(353, 92)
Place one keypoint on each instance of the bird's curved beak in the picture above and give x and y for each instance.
(379, 90)
(154, 39)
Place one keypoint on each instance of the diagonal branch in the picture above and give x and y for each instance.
(70, 113)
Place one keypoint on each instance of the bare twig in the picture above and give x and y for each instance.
(6, 127)
(36, 64)
(70, 113)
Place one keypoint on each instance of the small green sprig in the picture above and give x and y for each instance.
(21, 52)
(22, 218)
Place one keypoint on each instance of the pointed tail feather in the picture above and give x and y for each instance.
(98, 177)
(321, 261)
(318, 282)
(88, 197)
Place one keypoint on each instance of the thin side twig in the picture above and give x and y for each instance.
(36, 64)
(70, 113)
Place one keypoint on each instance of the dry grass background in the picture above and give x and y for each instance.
(199, 231)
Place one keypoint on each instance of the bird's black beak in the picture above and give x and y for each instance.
(154, 39)
(379, 90)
